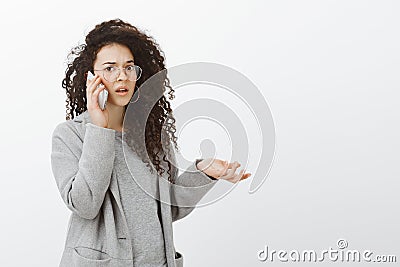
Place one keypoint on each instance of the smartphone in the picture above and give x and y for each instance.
(102, 99)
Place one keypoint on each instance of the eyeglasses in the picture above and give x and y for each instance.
(111, 73)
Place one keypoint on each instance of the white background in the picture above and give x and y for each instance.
(329, 71)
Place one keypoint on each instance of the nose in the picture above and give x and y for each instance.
(123, 75)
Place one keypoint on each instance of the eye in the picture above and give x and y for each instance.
(130, 68)
(109, 69)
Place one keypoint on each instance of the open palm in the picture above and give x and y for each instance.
(220, 169)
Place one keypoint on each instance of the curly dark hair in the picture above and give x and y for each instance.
(150, 58)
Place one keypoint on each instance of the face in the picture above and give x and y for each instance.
(115, 55)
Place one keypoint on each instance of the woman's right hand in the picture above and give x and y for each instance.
(98, 117)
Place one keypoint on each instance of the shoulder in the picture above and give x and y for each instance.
(72, 129)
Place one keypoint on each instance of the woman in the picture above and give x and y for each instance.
(113, 221)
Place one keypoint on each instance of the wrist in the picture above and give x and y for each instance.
(199, 167)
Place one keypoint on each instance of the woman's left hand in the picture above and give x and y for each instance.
(220, 169)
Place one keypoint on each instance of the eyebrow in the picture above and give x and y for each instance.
(128, 61)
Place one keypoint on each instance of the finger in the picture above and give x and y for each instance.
(230, 172)
(236, 178)
(225, 168)
(241, 176)
(91, 88)
(94, 84)
(232, 164)
(245, 176)
(89, 81)
(89, 85)
(96, 93)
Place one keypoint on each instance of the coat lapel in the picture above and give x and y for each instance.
(165, 199)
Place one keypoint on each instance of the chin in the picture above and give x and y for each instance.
(123, 103)
(120, 103)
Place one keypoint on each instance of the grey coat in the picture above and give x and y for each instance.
(82, 161)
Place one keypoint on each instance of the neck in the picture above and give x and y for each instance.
(115, 117)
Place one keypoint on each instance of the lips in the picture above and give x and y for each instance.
(122, 90)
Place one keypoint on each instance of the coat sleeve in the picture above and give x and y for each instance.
(82, 169)
(187, 196)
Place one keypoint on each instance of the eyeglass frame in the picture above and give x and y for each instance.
(119, 69)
